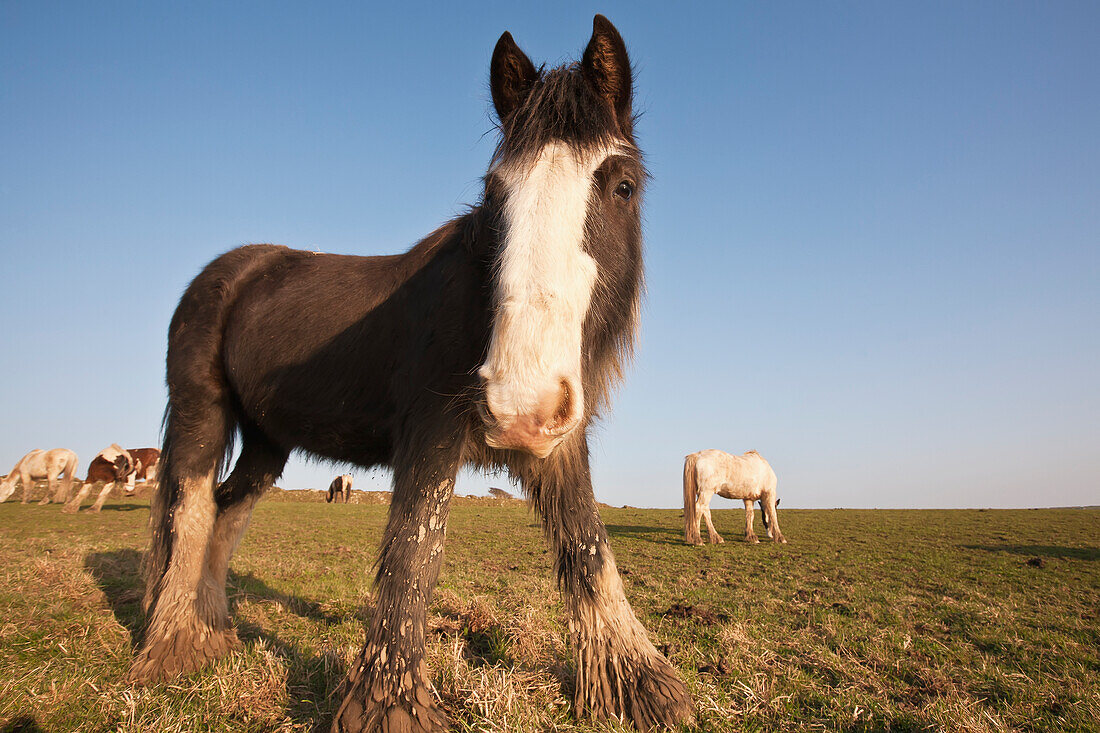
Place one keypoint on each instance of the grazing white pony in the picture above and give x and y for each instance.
(42, 464)
(747, 477)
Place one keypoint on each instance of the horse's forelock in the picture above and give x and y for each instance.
(561, 107)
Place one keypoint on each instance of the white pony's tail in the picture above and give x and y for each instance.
(691, 493)
(70, 474)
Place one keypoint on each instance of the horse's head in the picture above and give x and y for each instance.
(564, 192)
(7, 486)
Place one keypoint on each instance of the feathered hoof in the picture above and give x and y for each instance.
(70, 508)
(180, 652)
(410, 711)
(650, 696)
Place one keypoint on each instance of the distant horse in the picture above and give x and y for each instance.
(747, 477)
(493, 342)
(112, 465)
(145, 467)
(340, 487)
(42, 464)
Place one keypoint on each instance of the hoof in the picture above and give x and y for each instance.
(180, 653)
(650, 696)
(409, 709)
(70, 508)
(44, 502)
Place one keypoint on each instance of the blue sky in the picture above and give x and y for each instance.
(873, 230)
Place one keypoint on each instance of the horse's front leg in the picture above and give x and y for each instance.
(387, 688)
(620, 674)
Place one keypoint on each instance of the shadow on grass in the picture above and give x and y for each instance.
(115, 508)
(640, 532)
(1064, 553)
(310, 677)
(22, 724)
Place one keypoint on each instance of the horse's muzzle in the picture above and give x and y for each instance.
(538, 431)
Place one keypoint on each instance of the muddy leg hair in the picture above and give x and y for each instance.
(179, 638)
(620, 674)
(257, 469)
(387, 687)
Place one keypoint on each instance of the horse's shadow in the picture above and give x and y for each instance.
(118, 574)
(639, 532)
(1062, 553)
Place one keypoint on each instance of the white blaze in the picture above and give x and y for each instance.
(544, 282)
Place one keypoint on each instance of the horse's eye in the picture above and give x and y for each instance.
(624, 190)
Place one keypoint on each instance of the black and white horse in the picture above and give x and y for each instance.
(340, 489)
(494, 342)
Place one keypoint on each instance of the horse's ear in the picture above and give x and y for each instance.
(777, 502)
(511, 76)
(607, 67)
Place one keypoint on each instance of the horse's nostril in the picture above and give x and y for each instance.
(564, 413)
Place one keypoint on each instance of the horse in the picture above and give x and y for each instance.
(340, 487)
(42, 464)
(747, 477)
(145, 467)
(112, 465)
(494, 342)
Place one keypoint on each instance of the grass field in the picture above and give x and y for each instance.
(867, 620)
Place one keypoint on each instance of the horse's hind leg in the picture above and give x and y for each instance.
(750, 533)
(102, 498)
(179, 637)
(387, 688)
(712, 533)
(258, 466)
(73, 504)
(51, 488)
(619, 672)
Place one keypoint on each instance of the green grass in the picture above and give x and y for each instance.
(867, 620)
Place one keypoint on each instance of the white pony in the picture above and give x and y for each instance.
(747, 477)
(42, 464)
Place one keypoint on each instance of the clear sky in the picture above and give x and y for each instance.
(873, 230)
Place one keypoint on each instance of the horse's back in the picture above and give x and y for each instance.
(318, 350)
(747, 476)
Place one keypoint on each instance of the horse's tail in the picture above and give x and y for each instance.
(691, 494)
(70, 474)
(200, 420)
